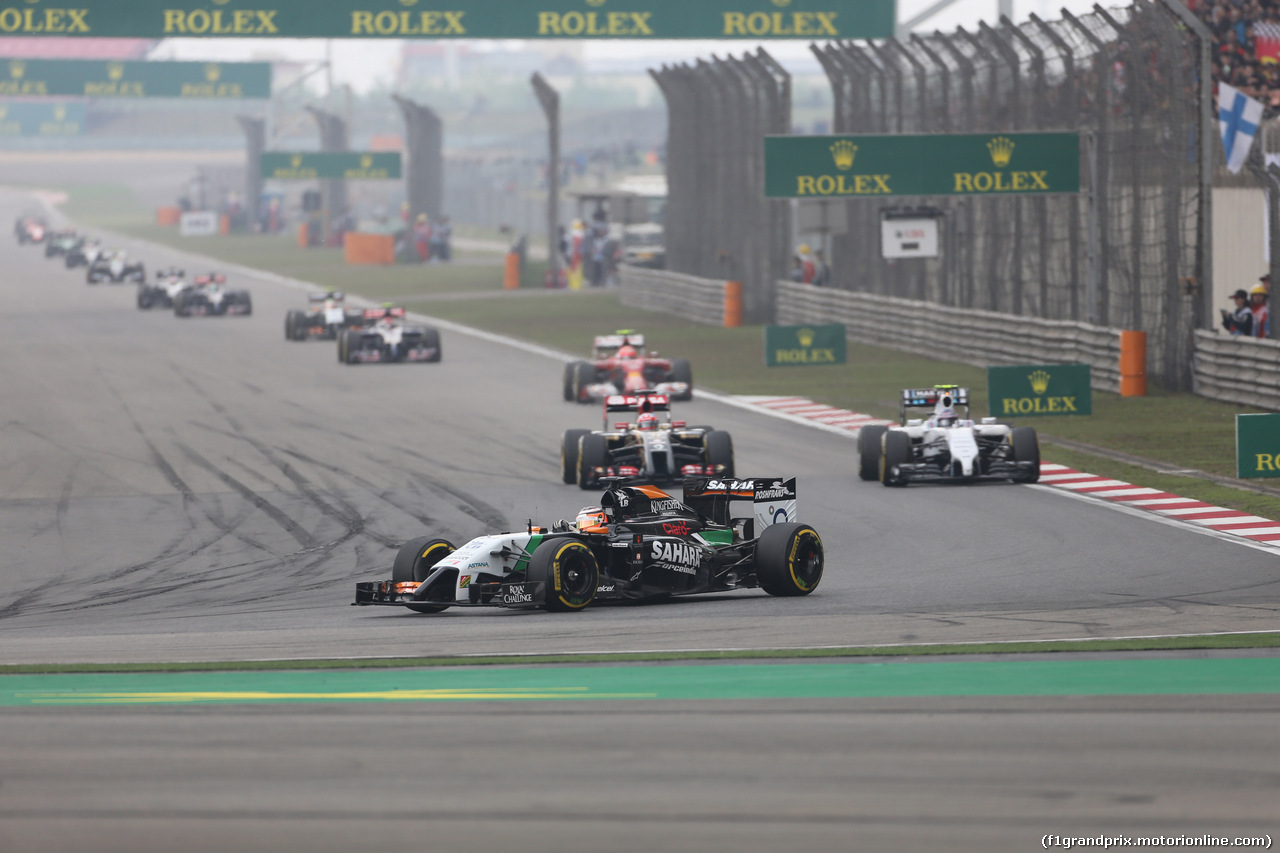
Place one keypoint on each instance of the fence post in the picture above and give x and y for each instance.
(732, 304)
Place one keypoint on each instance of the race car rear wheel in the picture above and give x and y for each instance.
(1026, 448)
(682, 371)
(895, 450)
(569, 570)
(414, 561)
(292, 323)
(431, 339)
(869, 451)
(789, 559)
(144, 298)
(719, 446)
(593, 452)
(567, 378)
(180, 306)
(350, 343)
(569, 454)
(584, 373)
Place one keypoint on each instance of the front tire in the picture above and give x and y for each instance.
(414, 562)
(569, 454)
(895, 451)
(789, 559)
(869, 451)
(569, 570)
(1026, 448)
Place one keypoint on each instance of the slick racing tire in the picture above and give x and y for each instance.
(681, 371)
(569, 454)
(180, 306)
(414, 561)
(248, 304)
(895, 450)
(342, 345)
(1026, 448)
(719, 447)
(593, 452)
(293, 325)
(584, 373)
(431, 338)
(144, 299)
(569, 570)
(568, 379)
(349, 341)
(789, 559)
(869, 451)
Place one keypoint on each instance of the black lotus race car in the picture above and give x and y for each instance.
(208, 297)
(639, 544)
(384, 337)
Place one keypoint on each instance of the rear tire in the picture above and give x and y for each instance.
(682, 371)
(567, 379)
(569, 454)
(350, 341)
(431, 338)
(414, 561)
(789, 559)
(1026, 448)
(719, 446)
(593, 452)
(895, 451)
(569, 570)
(584, 373)
(291, 326)
(869, 451)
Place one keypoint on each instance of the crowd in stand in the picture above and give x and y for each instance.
(1246, 42)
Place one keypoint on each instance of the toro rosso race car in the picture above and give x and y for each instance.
(946, 446)
(208, 297)
(169, 283)
(648, 451)
(326, 316)
(620, 366)
(385, 338)
(114, 266)
(639, 544)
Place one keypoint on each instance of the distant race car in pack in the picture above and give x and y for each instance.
(61, 242)
(384, 337)
(30, 228)
(114, 266)
(162, 294)
(639, 544)
(208, 296)
(648, 450)
(326, 316)
(621, 366)
(947, 446)
(82, 254)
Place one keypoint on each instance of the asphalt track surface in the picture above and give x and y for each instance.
(202, 489)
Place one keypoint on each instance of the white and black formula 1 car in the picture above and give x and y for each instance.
(162, 294)
(326, 316)
(113, 266)
(83, 254)
(620, 365)
(639, 544)
(947, 446)
(208, 297)
(649, 450)
(385, 338)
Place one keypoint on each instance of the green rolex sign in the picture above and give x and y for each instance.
(923, 164)
(1257, 446)
(159, 79)
(1039, 389)
(351, 165)
(792, 345)
(41, 118)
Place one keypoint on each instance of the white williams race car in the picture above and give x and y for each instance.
(385, 338)
(114, 266)
(208, 296)
(947, 446)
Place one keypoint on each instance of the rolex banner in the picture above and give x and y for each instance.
(1039, 389)
(1257, 446)
(789, 345)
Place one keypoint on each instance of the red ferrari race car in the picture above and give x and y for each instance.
(621, 366)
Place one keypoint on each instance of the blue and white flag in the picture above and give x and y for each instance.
(1238, 119)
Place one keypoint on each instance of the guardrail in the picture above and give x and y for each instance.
(1237, 370)
(697, 299)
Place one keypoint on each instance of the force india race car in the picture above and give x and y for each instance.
(114, 266)
(208, 297)
(640, 544)
(946, 446)
(385, 338)
(647, 451)
(620, 366)
(326, 316)
(169, 283)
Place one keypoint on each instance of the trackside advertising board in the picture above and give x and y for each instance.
(129, 79)
(794, 345)
(1257, 446)
(1039, 389)
(41, 118)
(348, 165)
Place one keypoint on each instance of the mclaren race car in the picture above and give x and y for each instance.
(649, 450)
(326, 316)
(639, 544)
(621, 366)
(82, 254)
(947, 446)
(168, 284)
(60, 242)
(114, 266)
(30, 228)
(385, 338)
(208, 296)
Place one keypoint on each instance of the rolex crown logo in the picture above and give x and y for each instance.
(1039, 381)
(212, 72)
(1001, 149)
(806, 337)
(59, 113)
(17, 68)
(843, 151)
(115, 70)
(365, 161)
(295, 161)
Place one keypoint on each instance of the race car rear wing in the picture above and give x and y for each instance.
(607, 345)
(641, 401)
(211, 278)
(379, 313)
(921, 398)
(773, 499)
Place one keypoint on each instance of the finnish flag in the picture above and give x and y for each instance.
(1238, 118)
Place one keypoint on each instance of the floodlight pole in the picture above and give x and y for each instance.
(549, 98)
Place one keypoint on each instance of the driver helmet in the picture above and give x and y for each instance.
(647, 421)
(386, 321)
(591, 519)
(627, 351)
(945, 415)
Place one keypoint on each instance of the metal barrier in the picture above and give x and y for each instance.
(1237, 370)
(698, 299)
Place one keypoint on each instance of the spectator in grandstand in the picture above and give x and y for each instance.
(807, 266)
(797, 269)
(1261, 314)
(1238, 321)
(821, 271)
